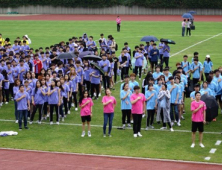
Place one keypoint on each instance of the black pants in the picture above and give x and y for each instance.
(52, 106)
(65, 103)
(164, 124)
(123, 72)
(150, 117)
(118, 27)
(206, 75)
(35, 107)
(80, 89)
(45, 108)
(166, 61)
(126, 113)
(195, 81)
(61, 110)
(93, 87)
(137, 119)
(11, 89)
(188, 31)
(115, 75)
(106, 80)
(74, 96)
(6, 95)
(87, 84)
(161, 59)
(140, 70)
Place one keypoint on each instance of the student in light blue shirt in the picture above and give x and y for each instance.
(192, 94)
(196, 69)
(157, 74)
(174, 92)
(206, 90)
(157, 87)
(186, 65)
(126, 105)
(166, 54)
(207, 65)
(139, 62)
(151, 103)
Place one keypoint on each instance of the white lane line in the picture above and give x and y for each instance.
(218, 142)
(213, 150)
(207, 158)
(195, 44)
(113, 156)
(100, 126)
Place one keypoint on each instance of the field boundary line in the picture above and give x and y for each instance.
(113, 156)
(100, 126)
(200, 42)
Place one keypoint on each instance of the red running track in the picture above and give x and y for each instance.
(26, 160)
(64, 17)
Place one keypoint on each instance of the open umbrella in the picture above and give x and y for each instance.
(192, 12)
(66, 56)
(212, 107)
(98, 67)
(168, 41)
(84, 53)
(187, 15)
(148, 38)
(92, 57)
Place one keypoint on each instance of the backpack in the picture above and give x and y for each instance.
(116, 47)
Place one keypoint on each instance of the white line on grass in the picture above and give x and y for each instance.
(207, 158)
(195, 44)
(218, 142)
(113, 156)
(213, 150)
(100, 126)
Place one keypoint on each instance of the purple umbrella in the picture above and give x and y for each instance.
(84, 53)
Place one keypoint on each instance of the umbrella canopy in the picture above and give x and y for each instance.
(192, 12)
(92, 57)
(84, 53)
(98, 67)
(66, 56)
(168, 41)
(212, 107)
(149, 38)
(187, 15)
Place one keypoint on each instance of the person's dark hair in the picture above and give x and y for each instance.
(209, 79)
(195, 59)
(151, 79)
(195, 53)
(185, 56)
(106, 90)
(184, 20)
(60, 85)
(77, 62)
(197, 85)
(165, 86)
(150, 85)
(51, 84)
(21, 85)
(124, 85)
(171, 78)
(136, 88)
(216, 70)
(5, 75)
(197, 93)
(36, 88)
(82, 97)
(208, 60)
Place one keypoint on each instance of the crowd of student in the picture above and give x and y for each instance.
(38, 80)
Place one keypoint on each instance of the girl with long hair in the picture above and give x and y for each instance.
(74, 80)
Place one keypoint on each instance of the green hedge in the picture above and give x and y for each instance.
(213, 4)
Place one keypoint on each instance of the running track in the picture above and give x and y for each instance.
(26, 160)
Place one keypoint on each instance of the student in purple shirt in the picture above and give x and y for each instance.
(54, 101)
(38, 94)
(139, 62)
(86, 81)
(91, 44)
(23, 105)
(65, 94)
(16, 47)
(166, 54)
(105, 65)
(22, 70)
(15, 90)
(1, 79)
(80, 73)
(25, 48)
(95, 81)
(61, 93)
(45, 105)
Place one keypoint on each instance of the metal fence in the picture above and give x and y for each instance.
(124, 10)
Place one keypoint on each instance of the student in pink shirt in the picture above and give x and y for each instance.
(118, 22)
(198, 109)
(86, 104)
(109, 103)
(138, 108)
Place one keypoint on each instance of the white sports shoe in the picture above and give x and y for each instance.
(63, 119)
(30, 122)
(163, 128)
(69, 112)
(6, 102)
(83, 134)
(39, 122)
(16, 121)
(129, 125)
(131, 121)
(152, 127)
(76, 109)
(171, 129)
(178, 124)
(51, 123)
(139, 134)
(201, 145)
(147, 128)
(99, 94)
(135, 135)
(172, 123)
(143, 116)
(57, 123)
(89, 134)
(193, 145)
(72, 104)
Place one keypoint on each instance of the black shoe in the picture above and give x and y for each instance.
(26, 127)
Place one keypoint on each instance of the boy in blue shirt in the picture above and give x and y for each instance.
(196, 69)
(154, 53)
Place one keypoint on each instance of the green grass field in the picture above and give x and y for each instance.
(153, 144)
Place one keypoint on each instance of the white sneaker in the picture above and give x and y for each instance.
(6, 102)
(94, 94)
(104, 135)
(201, 145)
(89, 134)
(39, 122)
(30, 122)
(147, 128)
(143, 116)
(63, 119)
(193, 145)
(124, 126)
(178, 124)
(76, 109)
(152, 127)
(171, 129)
(51, 123)
(139, 134)
(175, 121)
(99, 94)
(16, 121)
(131, 121)
(110, 135)
(83, 134)
(57, 123)
(135, 135)
(139, 78)
(72, 104)
(172, 123)
(163, 128)
(129, 125)
(69, 112)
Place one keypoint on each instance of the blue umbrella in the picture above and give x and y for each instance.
(148, 38)
(192, 12)
(187, 15)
